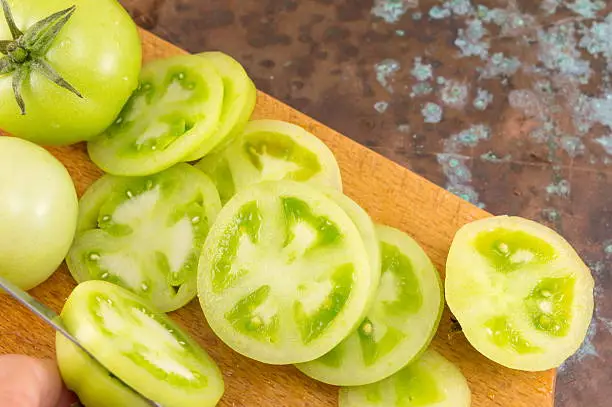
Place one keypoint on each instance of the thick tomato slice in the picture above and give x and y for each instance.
(239, 98)
(271, 150)
(398, 326)
(146, 233)
(136, 343)
(521, 293)
(429, 381)
(284, 274)
(175, 109)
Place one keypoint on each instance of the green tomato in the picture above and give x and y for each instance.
(139, 345)
(429, 381)
(521, 293)
(175, 109)
(398, 326)
(271, 150)
(239, 98)
(146, 233)
(97, 52)
(38, 212)
(284, 274)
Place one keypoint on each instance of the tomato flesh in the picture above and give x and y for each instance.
(271, 150)
(398, 326)
(284, 274)
(137, 344)
(175, 109)
(429, 381)
(239, 98)
(146, 233)
(521, 293)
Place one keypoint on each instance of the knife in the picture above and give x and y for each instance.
(53, 319)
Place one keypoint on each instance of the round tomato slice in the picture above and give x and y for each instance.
(521, 293)
(398, 326)
(146, 233)
(239, 98)
(429, 381)
(136, 343)
(271, 150)
(175, 109)
(284, 274)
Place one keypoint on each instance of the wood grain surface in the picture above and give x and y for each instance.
(391, 194)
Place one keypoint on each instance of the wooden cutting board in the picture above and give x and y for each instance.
(391, 194)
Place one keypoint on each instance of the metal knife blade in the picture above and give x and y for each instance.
(53, 319)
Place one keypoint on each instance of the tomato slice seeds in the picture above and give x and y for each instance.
(139, 345)
(398, 326)
(146, 233)
(284, 275)
(271, 150)
(175, 109)
(522, 295)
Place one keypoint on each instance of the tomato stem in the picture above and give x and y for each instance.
(18, 79)
(47, 70)
(8, 15)
(6, 66)
(26, 52)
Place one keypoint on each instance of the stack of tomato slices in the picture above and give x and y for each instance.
(201, 200)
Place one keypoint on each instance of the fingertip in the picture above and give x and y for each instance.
(27, 381)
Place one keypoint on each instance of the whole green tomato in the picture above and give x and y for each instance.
(73, 63)
(38, 212)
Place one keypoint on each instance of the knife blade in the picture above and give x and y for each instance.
(53, 319)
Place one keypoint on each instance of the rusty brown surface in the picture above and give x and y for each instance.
(320, 56)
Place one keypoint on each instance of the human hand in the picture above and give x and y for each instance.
(30, 382)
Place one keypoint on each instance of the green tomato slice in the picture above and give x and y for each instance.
(175, 109)
(146, 233)
(521, 293)
(399, 325)
(136, 343)
(429, 381)
(101, 389)
(271, 150)
(284, 274)
(239, 98)
(367, 231)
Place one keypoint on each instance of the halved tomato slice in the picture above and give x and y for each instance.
(146, 233)
(429, 381)
(239, 98)
(521, 293)
(136, 343)
(175, 109)
(271, 150)
(398, 326)
(284, 274)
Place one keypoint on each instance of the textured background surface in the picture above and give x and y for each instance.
(508, 104)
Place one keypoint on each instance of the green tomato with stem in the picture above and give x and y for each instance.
(69, 66)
